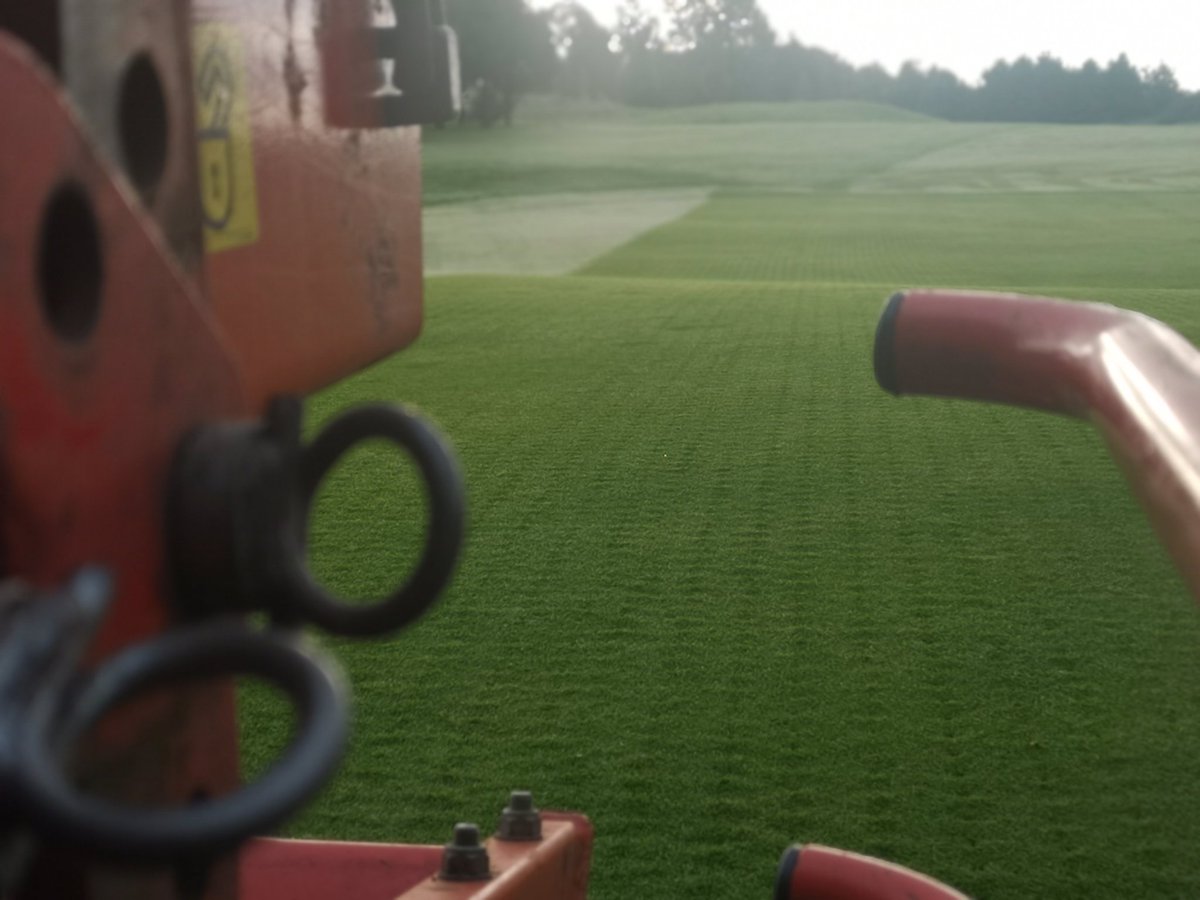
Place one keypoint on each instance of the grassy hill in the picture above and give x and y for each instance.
(799, 111)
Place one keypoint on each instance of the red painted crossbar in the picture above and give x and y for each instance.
(553, 868)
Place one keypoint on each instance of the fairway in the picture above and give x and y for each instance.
(724, 594)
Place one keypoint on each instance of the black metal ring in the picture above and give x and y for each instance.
(443, 541)
(57, 810)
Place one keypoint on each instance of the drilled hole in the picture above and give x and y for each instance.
(142, 124)
(70, 268)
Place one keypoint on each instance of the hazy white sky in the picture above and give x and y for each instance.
(967, 36)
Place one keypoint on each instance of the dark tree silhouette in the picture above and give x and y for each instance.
(506, 51)
(710, 51)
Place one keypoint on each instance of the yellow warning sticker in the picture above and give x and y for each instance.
(226, 155)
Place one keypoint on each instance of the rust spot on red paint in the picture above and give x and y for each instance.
(384, 280)
(295, 81)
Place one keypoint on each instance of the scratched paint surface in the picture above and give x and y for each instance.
(332, 281)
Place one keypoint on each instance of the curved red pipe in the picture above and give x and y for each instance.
(1131, 375)
(822, 873)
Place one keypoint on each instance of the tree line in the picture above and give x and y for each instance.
(722, 51)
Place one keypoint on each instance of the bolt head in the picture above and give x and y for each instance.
(466, 835)
(520, 801)
(520, 820)
(465, 858)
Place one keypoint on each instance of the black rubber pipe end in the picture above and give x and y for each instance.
(787, 869)
(885, 345)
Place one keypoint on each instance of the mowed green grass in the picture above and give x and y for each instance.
(1094, 242)
(706, 147)
(801, 147)
(724, 594)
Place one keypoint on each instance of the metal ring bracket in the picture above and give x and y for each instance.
(56, 809)
(443, 541)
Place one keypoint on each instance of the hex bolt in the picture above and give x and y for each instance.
(520, 820)
(465, 858)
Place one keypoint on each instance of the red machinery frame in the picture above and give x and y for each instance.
(120, 336)
(554, 868)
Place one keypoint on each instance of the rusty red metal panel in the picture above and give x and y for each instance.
(107, 357)
(331, 870)
(1132, 376)
(822, 873)
(91, 419)
(331, 279)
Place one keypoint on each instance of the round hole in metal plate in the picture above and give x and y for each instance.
(70, 264)
(142, 125)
